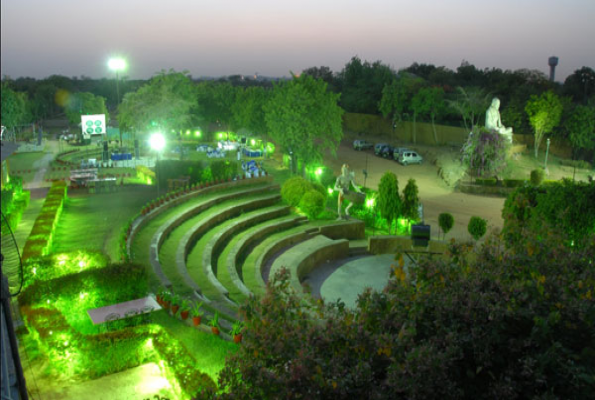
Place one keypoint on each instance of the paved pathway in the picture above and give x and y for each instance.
(42, 165)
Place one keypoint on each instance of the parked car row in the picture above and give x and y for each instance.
(403, 155)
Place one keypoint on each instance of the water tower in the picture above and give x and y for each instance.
(552, 61)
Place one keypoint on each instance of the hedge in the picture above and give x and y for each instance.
(39, 241)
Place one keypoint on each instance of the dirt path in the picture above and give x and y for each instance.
(435, 195)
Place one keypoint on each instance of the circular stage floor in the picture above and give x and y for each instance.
(350, 279)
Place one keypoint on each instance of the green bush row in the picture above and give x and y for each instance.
(310, 197)
(198, 171)
(500, 183)
(39, 241)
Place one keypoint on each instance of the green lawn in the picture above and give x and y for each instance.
(209, 350)
(95, 221)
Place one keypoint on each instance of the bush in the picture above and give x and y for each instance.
(446, 221)
(389, 200)
(312, 203)
(537, 176)
(477, 227)
(484, 153)
(566, 207)
(293, 189)
(500, 324)
(513, 182)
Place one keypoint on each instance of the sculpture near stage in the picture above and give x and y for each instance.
(493, 121)
(342, 185)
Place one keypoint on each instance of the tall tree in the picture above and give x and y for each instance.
(216, 100)
(167, 102)
(429, 101)
(409, 208)
(471, 103)
(389, 200)
(396, 96)
(544, 113)
(14, 107)
(580, 85)
(304, 118)
(84, 104)
(581, 126)
(362, 85)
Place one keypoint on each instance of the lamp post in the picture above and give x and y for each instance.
(157, 143)
(117, 65)
(547, 150)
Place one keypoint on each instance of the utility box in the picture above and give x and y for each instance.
(420, 234)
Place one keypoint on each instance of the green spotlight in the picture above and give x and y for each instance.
(370, 202)
(318, 171)
(330, 190)
(253, 142)
(197, 133)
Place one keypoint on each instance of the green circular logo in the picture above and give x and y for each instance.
(97, 130)
(89, 123)
(89, 130)
(98, 123)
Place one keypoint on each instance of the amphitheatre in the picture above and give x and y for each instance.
(193, 252)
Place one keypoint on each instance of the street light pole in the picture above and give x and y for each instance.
(547, 150)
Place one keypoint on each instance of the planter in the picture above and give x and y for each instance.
(237, 338)
(215, 330)
(159, 300)
(196, 321)
(184, 314)
(174, 308)
(166, 305)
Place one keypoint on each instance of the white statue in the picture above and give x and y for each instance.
(493, 121)
(342, 184)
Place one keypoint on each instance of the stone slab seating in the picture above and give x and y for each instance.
(164, 230)
(234, 267)
(199, 229)
(143, 219)
(306, 256)
(211, 250)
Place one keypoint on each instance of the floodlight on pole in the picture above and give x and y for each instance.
(157, 143)
(117, 65)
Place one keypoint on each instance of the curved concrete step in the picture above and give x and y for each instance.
(304, 257)
(163, 231)
(202, 227)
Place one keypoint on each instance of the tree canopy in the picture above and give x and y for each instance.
(304, 118)
(544, 113)
(84, 104)
(167, 102)
(14, 109)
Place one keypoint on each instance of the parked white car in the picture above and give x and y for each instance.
(410, 157)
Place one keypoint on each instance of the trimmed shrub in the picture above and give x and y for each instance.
(513, 182)
(537, 176)
(293, 189)
(477, 227)
(446, 221)
(312, 203)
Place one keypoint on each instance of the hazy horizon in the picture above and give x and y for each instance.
(272, 38)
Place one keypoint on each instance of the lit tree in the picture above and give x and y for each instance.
(389, 200)
(216, 100)
(544, 113)
(304, 118)
(167, 102)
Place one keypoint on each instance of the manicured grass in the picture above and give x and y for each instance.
(208, 350)
(222, 264)
(95, 221)
(24, 161)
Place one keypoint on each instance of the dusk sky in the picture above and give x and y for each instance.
(223, 37)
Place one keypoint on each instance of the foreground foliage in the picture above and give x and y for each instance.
(512, 323)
